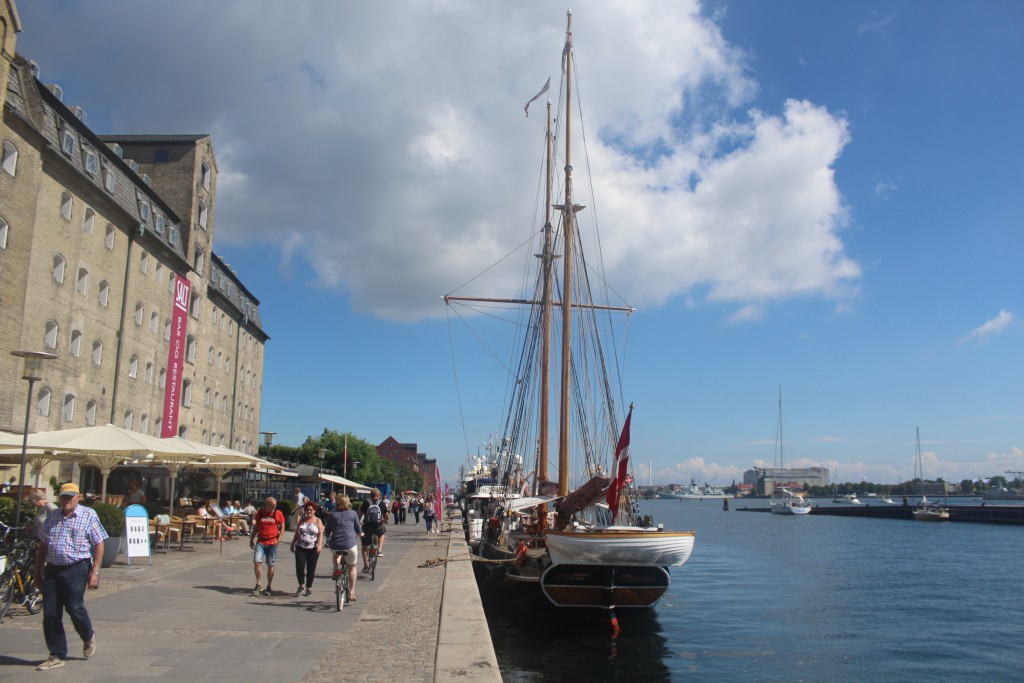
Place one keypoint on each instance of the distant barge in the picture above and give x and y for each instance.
(979, 514)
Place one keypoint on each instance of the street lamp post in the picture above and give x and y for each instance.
(268, 438)
(31, 369)
(320, 474)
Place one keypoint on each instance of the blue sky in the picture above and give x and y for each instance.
(823, 196)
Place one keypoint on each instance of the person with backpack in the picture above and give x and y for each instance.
(266, 534)
(375, 516)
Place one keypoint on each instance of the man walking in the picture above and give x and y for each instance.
(266, 534)
(70, 547)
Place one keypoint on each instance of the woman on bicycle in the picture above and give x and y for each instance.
(343, 533)
(306, 544)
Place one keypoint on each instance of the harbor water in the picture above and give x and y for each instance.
(780, 598)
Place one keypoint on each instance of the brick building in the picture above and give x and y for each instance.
(98, 235)
(407, 453)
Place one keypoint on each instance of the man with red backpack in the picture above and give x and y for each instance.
(267, 528)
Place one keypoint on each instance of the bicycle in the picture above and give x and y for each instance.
(372, 555)
(17, 583)
(342, 587)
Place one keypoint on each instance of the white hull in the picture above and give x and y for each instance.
(621, 546)
(790, 510)
(931, 513)
(702, 496)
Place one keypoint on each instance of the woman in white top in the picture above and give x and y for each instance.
(307, 543)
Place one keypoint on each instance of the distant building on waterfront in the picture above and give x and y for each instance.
(408, 454)
(764, 481)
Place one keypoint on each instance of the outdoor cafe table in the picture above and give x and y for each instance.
(184, 526)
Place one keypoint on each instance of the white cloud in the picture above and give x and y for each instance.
(387, 150)
(991, 327)
(876, 23)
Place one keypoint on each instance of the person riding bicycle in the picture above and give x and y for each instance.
(341, 530)
(375, 515)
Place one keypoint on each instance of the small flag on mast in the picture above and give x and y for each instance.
(621, 469)
(532, 99)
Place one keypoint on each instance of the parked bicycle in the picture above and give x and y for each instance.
(17, 564)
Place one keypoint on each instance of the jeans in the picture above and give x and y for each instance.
(64, 589)
(305, 565)
(429, 522)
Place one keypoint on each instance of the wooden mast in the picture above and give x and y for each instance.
(547, 259)
(568, 224)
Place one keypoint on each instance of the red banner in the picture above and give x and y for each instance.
(176, 357)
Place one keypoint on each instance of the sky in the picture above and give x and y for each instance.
(819, 196)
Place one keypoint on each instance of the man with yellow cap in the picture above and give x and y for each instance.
(70, 547)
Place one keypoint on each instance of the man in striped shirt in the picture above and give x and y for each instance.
(71, 547)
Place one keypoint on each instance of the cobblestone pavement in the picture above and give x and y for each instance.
(191, 615)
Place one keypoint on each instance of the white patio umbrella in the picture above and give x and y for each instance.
(104, 446)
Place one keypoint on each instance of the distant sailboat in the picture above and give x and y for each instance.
(925, 511)
(784, 501)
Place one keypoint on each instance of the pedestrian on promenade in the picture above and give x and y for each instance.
(70, 547)
(266, 534)
(331, 504)
(428, 515)
(307, 543)
(343, 531)
(417, 506)
(375, 517)
(401, 509)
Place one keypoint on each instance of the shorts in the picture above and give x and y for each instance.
(349, 555)
(268, 552)
(370, 531)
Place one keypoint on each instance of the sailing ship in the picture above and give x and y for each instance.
(579, 535)
(925, 511)
(784, 501)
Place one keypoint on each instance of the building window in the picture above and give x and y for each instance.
(76, 343)
(108, 240)
(159, 221)
(161, 156)
(204, 440)
(104, 293)
(129, 418)
(65, 205)
(3, 233)
(146, 179)
(90, 414)
(108, 180)
(199, 259)
(206, 397)
(144, 262)
(97, 352)
(209, 356)
(58, 269)
(202, 214)
(133, 367)
(118, 152)
(82, 286)
(50, 338)
(163, 378)
(172, 234)
(186, 393)
(43, 403)
(227, 364)
(90, 218)
(204, 175)
(69, 407)
(190, 349)
(216, 400)
(220, 359)
(144, 424)
(159, 275)
(154, 322)
(193, 306)
(92, 163)
(144, 210)
(183, 432)
(149, 372)
(167, 330)
(9, 162)
(67, 143)
(139, 312)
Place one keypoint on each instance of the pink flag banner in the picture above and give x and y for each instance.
(534, 98)
(176, 357)
(621, 468)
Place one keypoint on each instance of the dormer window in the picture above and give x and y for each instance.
(108, 180)
(132, 165)
(146, 179)
(92, 163)
(144, 210)
(159, 224)
(172, 234)
(117, 150)
(67, 143)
